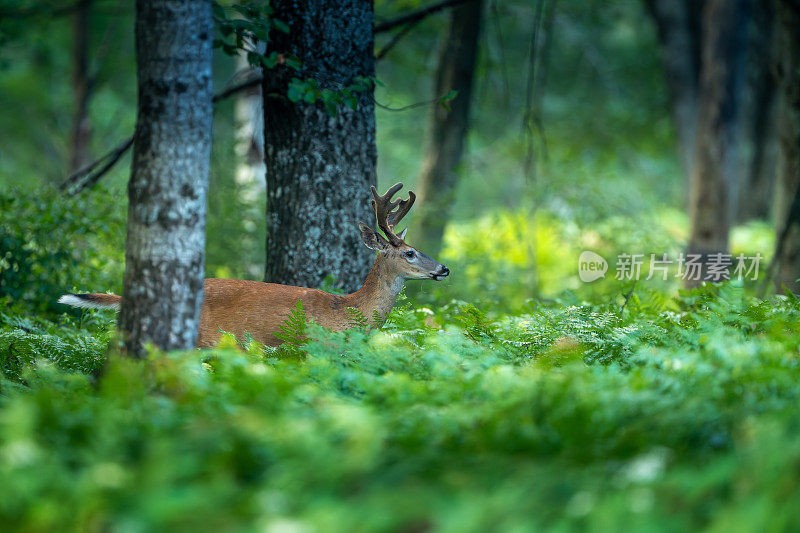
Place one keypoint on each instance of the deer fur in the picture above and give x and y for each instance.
(241, 306)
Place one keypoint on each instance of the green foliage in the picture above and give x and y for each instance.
(76, 345)
(310, 91)
(49, 244)
(530, 401)
(678, 414)
(506, 258)
(293, 331)
(356, 319)
(243, 23)
(444, 100)
(235, 224)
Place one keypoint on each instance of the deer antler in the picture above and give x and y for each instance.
(388, 213)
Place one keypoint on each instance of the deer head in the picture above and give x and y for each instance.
(405, 261)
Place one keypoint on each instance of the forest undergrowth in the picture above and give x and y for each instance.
(673, 413)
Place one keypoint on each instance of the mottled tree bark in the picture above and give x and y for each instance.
(759, 118)
(679, 31)
(81, 125)
(319, 168)
(787, 253)
(448, 130)
(712, 180)
(163, 281)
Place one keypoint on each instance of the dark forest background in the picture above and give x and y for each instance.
(572, 142)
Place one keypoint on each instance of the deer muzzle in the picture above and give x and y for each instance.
(441, 273)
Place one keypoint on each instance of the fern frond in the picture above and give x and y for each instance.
(356, 319)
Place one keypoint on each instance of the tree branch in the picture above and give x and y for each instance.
(416, 16)
(252, 79)
(395, 39)
(88, 176)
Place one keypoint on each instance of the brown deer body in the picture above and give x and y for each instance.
(241, 307)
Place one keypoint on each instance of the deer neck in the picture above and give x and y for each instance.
(378, 293)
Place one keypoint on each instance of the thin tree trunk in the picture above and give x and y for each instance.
(712, 183)
(319, 168)
(163, 283)
(787, 254)
(679, 30)
(448, 128)
(81, 125)
(249, 117)
(759, 118)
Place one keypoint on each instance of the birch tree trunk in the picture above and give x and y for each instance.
(448, 130)
(249, 119)
(163, 283)
(319, 168)
(713, 176)
(787, 254)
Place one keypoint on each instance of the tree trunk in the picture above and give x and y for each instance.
(759, 117)
(787, 253)
(81, 125)
(712, 183)
(249, 117)
(163, 283)
(679, 31)
(448, 129)
(319, 168)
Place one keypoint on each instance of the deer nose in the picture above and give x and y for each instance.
(445, 271)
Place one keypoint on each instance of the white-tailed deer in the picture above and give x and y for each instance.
(239, 306)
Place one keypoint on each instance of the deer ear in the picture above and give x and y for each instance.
(402, 234)
(372, 239)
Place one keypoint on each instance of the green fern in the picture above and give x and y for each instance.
(356, 319)
(293, 331)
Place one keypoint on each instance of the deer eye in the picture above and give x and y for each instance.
(410, 254)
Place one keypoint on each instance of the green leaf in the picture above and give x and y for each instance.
(296, 90)
(293, 61)
(254, 58)
(449, 96)
(331, 108)
(270, 60)
(351, 101)
(280, 25)
(217, 10)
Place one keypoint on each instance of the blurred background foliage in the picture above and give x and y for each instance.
(607, 173)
